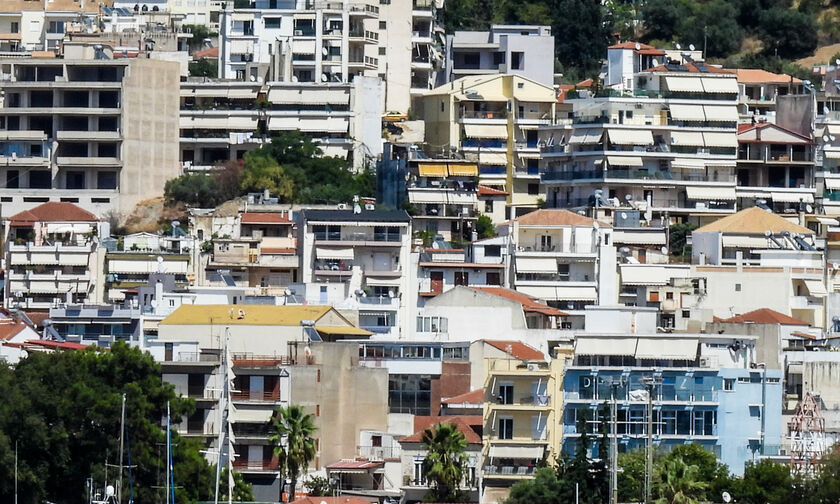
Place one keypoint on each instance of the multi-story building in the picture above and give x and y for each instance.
(52, 256)
(410, 52)
(504, 49)
(563, 258)
(774, 165)
(358, 259)
(441, 269)
(705, 389)
(665, 144)
(493, 120)
(758, 90)
(27, 25)
(444, 198)
(222, 120)
(88, 129)
(299, 41)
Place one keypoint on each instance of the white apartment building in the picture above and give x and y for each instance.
(666, 146)
(222, 120)
(299, 41)
(444, 197)
(52, 256)
(28, 25)
(90, 130)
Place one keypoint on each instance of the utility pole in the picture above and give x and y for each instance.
(650, 382)
(614, 384)
(122, 441)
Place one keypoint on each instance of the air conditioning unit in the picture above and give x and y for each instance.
(342, 206)
(298, 33)
(705, 362)
(533, 366)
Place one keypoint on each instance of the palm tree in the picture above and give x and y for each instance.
(445, 462)
(679, 483)
(293, 444)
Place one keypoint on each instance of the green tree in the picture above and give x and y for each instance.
(764, 482)
(319, 486)
(293, 443)
(663, 18)
(713, 473)
(63, 409)
(678, 239)
(714, 24)
(679, 483)
(204, 68)
(545, 488)
(484, 227)
(584, 38)
(242, 490)
(788, 33)
(825, 487)
(446, 461)
(631, 479)
(199, 33)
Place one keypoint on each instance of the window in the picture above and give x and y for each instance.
(669, 295)
(40, 179)
(729, 384)
(506, 428)
(517, 60)
(14, 27)
(442, 105)
(329, 233)
(419, 474)
(12, 179)
(494, 278)
(533, 189)
(106, 180)
(653, 297)
(409, 394)
(383, 51)
(383, 25)
(686, 313)
(488, 206)
(737, 287)
(273, 22)
(386, 233)
(498, 58)
(492, 251)
(669, 422)
(56, 27)
(505, 393)
(75, 180)
(472, 59)
(462, 278)
(432, 324)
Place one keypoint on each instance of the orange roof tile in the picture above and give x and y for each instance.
(765, 316)
(753, 220)
(759, 76)
(804, 335)
(489, 191)
(211, 53)
(423, 423)
(53, 211)
(642, 49)
(266, 218)
(285, 251)
(474, 397)
(517, 349)
(554, 217)
(10, 330)
(529, 304)
(355, 464)
(743, 128)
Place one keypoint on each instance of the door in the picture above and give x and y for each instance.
(538, 424)
(255, 457)
(506, 428)
(257, 388)
(437, 281)
(506, 393)
(167, 351)
(323, 298)
(381, 261)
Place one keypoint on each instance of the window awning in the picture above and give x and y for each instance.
(720, 139)
(639, 237)
(710, 193)
(691, 138)
(242, 16)
(536, 265)
(791, 197)
(831, 154)
(517, 452)
(643, 275)
(334, 253)
(241, 415)
(432, 170)
(721, 113)
(605, 346)
(833, 129)
(687, 112)
(463, 170)
(828, 221)
(815, 288)
(492, 158)
(750, 242)
(625, 161)
(720, 84)
(684, 84)
(586, 136)
(485, 130)
(631, 137)
(688, 164)
(667, 348)
(832, 183)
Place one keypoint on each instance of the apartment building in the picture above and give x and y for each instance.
(358, 259)
(30, 25)
(441, 269)
(299, 41)
(52, 256)
(443, 196)
(758, 90)
(410, 52)
(504, 49)
(222, 120)
(705, 389)
(666, 145)
(493, 120)
(775, 168)
(89, 129)
(523, 405)
(563, 258)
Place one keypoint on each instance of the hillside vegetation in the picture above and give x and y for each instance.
(767, 34)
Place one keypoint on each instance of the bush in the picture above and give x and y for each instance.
(204, 68)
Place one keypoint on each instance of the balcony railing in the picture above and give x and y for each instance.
(484, 114)
(500, 470)
(255, 465)
(378, 452)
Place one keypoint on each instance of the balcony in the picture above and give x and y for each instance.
(645, 175)
(500, 114)
(366, 62)
(377, 453)
(255, 465)
(509, 471)
(364, 36)
(89, 161)
(88, 135)
(268, 396)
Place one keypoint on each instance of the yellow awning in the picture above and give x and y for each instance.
(432, 170)
(485, 130)
(342, 331)
(463, 170)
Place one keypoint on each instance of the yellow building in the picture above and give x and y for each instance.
(522, 413)
(493, 120)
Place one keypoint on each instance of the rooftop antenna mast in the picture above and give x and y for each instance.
(807, 435)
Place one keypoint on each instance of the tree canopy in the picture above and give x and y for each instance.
(446, 461)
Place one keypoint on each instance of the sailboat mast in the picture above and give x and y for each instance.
(122, 441)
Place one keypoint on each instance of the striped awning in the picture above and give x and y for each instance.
(832, 183)
(688, 164)
(691, 138)
(432, 170)
(728, 85)
(334, 253)
(721, 113)
(720, 139)
(463, 170)
(788, 197)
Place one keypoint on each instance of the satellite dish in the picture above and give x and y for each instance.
(294, 78)
(638, 46)
(253, 78)
(833, 265)
(159, 259)
(832, 137)
(596, 226)
(623, 215)
(809, 208)
(677, 46)
(837, 62)
(655, 62)
(726, 497)
(690, 47)
(391, 294)
(768, 233)
(664, 250)
(176, 223)
(324, 77)
(826, 138)
(109, 491)
(628, 197)
(324, 51)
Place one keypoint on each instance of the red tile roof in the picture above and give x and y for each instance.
(266, 250)
(266, 218)
(765, 316)
(517, 349)
(804, 335)
(57, 344)
(211, 52)
(489, 191)
(355, 464)
(11, 329)
(332, 500)
(529, 304)
(643, 48)
(756, 76)
(474, 397)
(423, 423)
(743, 128)
(52, 211)
(690, 67)
(37, 318)
(555, 217)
